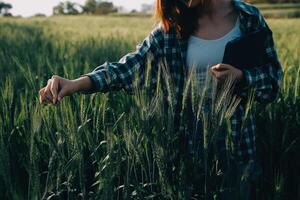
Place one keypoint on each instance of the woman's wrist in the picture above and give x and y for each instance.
(82, 83)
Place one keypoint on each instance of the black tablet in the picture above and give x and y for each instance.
(247, 51)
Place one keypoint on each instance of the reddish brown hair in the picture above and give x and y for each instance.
(175, 14)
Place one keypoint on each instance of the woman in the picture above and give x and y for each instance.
(202, 33)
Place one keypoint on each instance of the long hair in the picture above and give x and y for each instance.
(175, 14)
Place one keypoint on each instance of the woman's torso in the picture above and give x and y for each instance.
(207, 45)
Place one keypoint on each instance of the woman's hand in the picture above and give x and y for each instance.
(222, 71)
(57, 88)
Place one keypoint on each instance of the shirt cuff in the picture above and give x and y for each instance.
(98, 82)
(244, 83)
(247, 79)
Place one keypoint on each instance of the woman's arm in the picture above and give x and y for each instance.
(110, 76)
(265, 79)
(59, 87)
(114, 76)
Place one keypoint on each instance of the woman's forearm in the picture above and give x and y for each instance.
(82, 84)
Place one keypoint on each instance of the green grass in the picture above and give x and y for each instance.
(114, 145)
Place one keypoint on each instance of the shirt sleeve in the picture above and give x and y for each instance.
(264, 79)
(114, 76)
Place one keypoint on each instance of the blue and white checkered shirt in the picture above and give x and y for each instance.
(113, 76)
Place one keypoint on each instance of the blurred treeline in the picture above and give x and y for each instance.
(90, 7)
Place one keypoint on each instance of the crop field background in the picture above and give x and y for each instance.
(110, 146)
(280, 10)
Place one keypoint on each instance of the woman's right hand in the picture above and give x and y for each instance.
(56, 89)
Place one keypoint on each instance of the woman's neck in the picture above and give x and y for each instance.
(221, 8)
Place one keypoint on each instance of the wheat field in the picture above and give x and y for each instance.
(115, 145)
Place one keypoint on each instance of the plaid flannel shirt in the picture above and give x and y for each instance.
(113, 76)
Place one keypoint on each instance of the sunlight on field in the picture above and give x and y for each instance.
(78, 28)
(134, 30)
(101, 146)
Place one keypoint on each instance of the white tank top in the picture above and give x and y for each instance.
(202, 53)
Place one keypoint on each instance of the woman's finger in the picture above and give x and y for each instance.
(49, 83)
(220, 74)
(45, 95)
(54, 88)
(48, 95)
(42, 95)
(221, 67)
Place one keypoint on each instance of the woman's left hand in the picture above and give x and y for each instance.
(222, 71)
